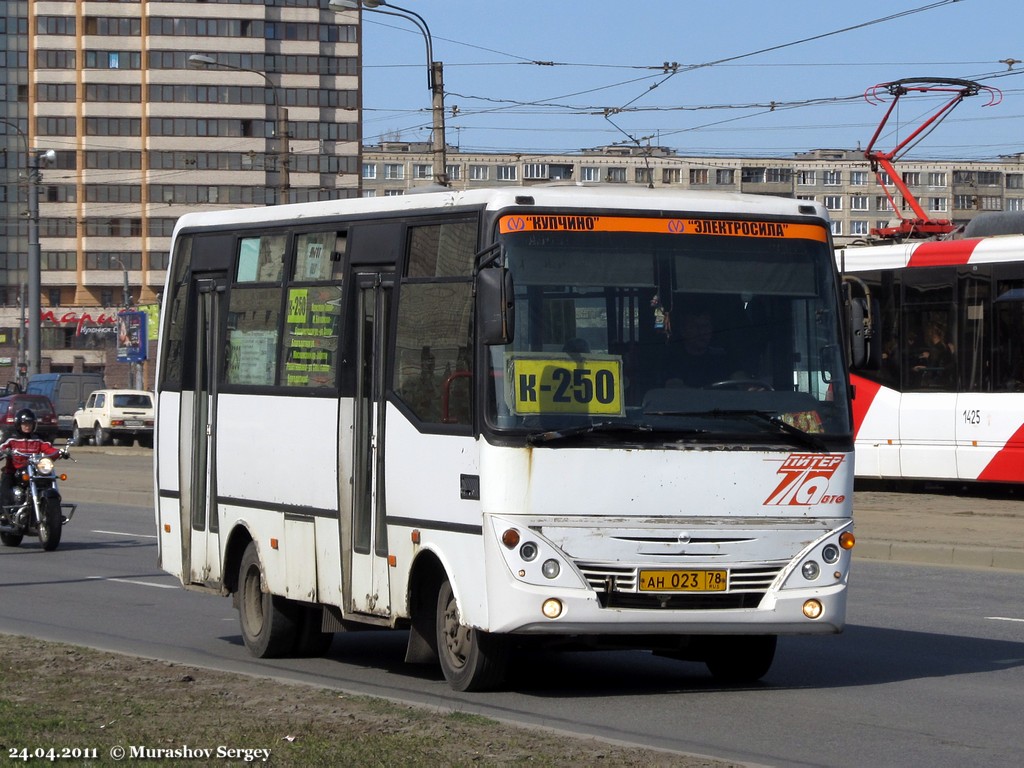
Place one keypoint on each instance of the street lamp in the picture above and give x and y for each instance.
(37, 158)
(435, 73)
(199, 61)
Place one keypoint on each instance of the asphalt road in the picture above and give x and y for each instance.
(930, 671)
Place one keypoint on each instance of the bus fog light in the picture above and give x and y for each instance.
(810, 570)
(528, 551)
(813, 609)
(552, 608)
(551, 568)
(830, 554)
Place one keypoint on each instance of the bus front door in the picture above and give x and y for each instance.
(370, 590)
(197, 430)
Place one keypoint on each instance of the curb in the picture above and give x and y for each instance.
(942, 554)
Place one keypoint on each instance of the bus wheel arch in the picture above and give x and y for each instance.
(425, 581)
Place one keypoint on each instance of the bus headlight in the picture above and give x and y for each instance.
(813, 609)
(528, 551)
(551, 569)
(810, 570)
(830, 554)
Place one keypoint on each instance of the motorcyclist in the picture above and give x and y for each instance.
(24, 440)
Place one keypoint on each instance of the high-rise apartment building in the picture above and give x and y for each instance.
(154, 108)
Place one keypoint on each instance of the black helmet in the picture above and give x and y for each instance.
(25, 416)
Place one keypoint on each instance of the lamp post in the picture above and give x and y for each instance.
(135, 368)
(36, 159)
(435, 73)
(199, 61)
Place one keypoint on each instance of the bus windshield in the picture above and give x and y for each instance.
(629, 335)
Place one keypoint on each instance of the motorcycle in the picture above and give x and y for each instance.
(37, 508)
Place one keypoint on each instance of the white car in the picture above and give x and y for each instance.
(121, 415)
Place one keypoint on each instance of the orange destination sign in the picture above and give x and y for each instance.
(565, 222)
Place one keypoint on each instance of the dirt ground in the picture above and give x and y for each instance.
(55, 696)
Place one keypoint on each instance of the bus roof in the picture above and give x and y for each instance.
(568, 196)
(931, 253)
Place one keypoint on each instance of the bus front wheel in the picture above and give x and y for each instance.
(741, 659)
(470, 659)
(269, 623)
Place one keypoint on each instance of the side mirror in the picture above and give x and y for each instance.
(496, 308)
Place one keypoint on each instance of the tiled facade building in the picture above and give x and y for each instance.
(140, 138)
(840, 179)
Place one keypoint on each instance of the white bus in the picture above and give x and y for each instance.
(470, 415)
(940, 384)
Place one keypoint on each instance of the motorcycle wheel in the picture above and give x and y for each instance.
(11, 539)
(51, 525)
(269, 623)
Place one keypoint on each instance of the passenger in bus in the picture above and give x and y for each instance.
(695, 360)
(935, 362)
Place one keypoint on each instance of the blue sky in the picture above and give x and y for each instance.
(563, 75)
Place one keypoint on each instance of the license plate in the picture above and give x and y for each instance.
(133, 423)
(683, 581)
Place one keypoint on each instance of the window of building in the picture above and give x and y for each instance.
(990, 179)
(394, 171)
(725, 177)
(858, 178)
(699, 176)
(912, 178)
(936, 179)
(837, 228)
(479, 172)
(1015, 181)
(369, 170)
(882, 203)
(832, 178)
(806, 178)
(833, 202)
(937, 204)
(506, 173)
(990, 203)
(590, 173)
(858, 202)
(454, 172)
(617, 175)
(859, 227)
(965, 202)
(422, 171)
(1015, 203)
(535, 171)
(752, 175)
(671, 175)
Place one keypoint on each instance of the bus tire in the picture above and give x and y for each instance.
(471, 660)
(269, 623)
(741, 659)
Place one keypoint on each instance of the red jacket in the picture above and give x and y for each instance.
(31, 444)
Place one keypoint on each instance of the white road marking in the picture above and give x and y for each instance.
(133, 581)
(1003, 618)
(132, 535)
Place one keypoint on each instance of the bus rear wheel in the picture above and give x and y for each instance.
(269, 623)
(471, 660)
(741, 659)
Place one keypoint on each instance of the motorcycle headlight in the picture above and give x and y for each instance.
(44, 466)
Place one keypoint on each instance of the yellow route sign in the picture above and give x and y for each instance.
(561, 383)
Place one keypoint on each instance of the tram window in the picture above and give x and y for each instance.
(1008, 336)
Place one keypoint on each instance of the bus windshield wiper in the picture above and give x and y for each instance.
(765, 418)
(770, 419)
(601, 426)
